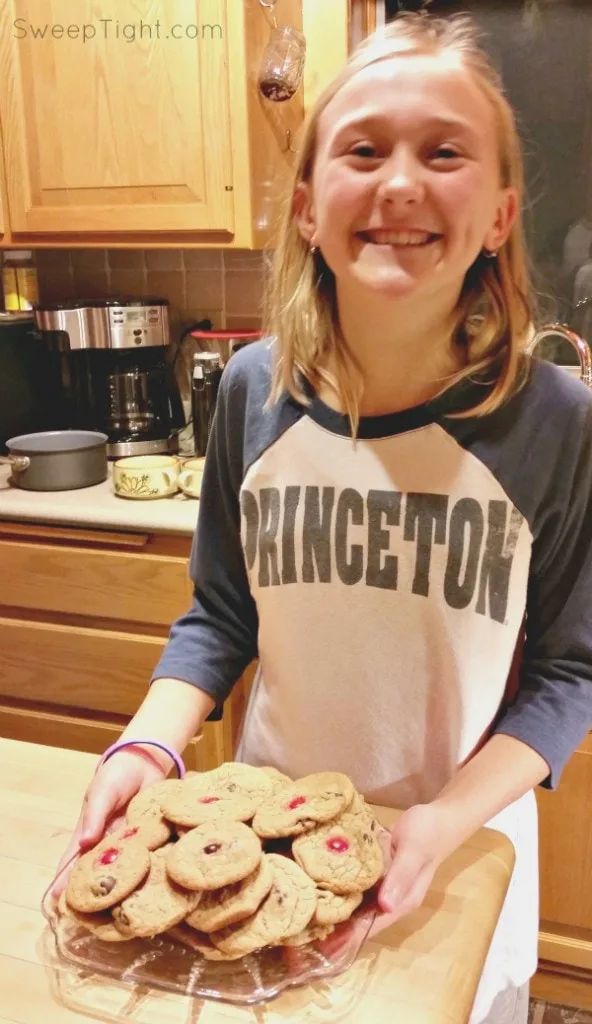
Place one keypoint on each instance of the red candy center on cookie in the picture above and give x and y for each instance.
(209, 800)
(129, 833)
(338, 845)
(212, 848)
(296, 802)
(109, 855)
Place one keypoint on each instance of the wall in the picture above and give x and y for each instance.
(224, 286)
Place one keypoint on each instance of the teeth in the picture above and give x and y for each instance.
(399, 237)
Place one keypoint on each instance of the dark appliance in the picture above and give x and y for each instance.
(30, 385)
(115, 371)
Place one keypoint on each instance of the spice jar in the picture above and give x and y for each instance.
(282, 64)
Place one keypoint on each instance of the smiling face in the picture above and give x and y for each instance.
(405, 189)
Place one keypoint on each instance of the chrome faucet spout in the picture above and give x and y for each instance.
(575, 340)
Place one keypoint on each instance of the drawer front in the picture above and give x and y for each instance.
(54, 730)
(93, 669)
(93, 736)
(118, 585)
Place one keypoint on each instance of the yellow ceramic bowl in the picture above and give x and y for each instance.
(146, 477)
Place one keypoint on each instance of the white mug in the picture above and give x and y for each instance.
(190, 477)
(146, 477)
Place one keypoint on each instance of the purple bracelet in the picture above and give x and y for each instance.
(178, 762)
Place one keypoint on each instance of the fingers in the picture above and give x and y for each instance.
(100, 806)
(381, 922)
(104, 804)
(89, 829)
(407, 893)
(63, 874)
(117, 821)
(416, 894)
(400, 876)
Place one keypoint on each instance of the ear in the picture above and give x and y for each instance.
(506, 214)
(303, 211)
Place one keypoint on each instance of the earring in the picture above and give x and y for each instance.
(490, 254)
(314, 250)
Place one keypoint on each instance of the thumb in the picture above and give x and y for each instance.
(97, 811)
(400, 876)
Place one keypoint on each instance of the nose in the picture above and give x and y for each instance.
(402, 181)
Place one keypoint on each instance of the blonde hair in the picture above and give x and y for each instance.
(495, 309)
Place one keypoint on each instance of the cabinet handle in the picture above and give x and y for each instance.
(104, 537)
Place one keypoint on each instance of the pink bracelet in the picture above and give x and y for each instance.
(121, 744)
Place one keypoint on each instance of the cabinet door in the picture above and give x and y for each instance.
(115, 114)
(4, 227)
(566, 864)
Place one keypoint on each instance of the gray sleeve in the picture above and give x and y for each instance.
(212, 644)
(553, 709)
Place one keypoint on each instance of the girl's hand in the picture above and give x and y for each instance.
(111, 789)
(420, 841)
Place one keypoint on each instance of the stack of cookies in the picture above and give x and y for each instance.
(232, 860)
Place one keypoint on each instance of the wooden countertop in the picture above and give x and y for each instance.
(423, 970)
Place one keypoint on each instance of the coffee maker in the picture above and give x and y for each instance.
(114, 373)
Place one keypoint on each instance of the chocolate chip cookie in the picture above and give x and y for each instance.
(278, 779)
(214, 855)
(343, 856)
(200, 942)
(109, 872)
(303, 805)
(284, 913)
(158, 904)
(100, 924)
(230, 792)
(144, 809)
(312, 933)
(333, 909)
(233, 903)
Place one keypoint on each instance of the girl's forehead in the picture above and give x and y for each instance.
(392, 87)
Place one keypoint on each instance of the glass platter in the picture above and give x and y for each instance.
(168, 962)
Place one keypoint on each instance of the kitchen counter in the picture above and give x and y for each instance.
(423, 970)
(97, 506)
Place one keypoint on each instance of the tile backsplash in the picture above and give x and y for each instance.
(221, 285)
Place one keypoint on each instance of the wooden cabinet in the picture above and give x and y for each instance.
(84, 617)
(115, 130)
(565, 944)
(4, 225)
(363, 20)
(131, 118)
(326, 27)
(140, 121)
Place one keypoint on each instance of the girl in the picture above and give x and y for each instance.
(383, 581)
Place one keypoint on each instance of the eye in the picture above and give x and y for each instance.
(446, 153)
(364, 150)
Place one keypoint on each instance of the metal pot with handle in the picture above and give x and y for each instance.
(575, 340)
(57, 460)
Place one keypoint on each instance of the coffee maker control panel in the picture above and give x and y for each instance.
(138, 326)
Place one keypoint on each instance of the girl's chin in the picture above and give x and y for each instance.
(389, 284)
(401, 267)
